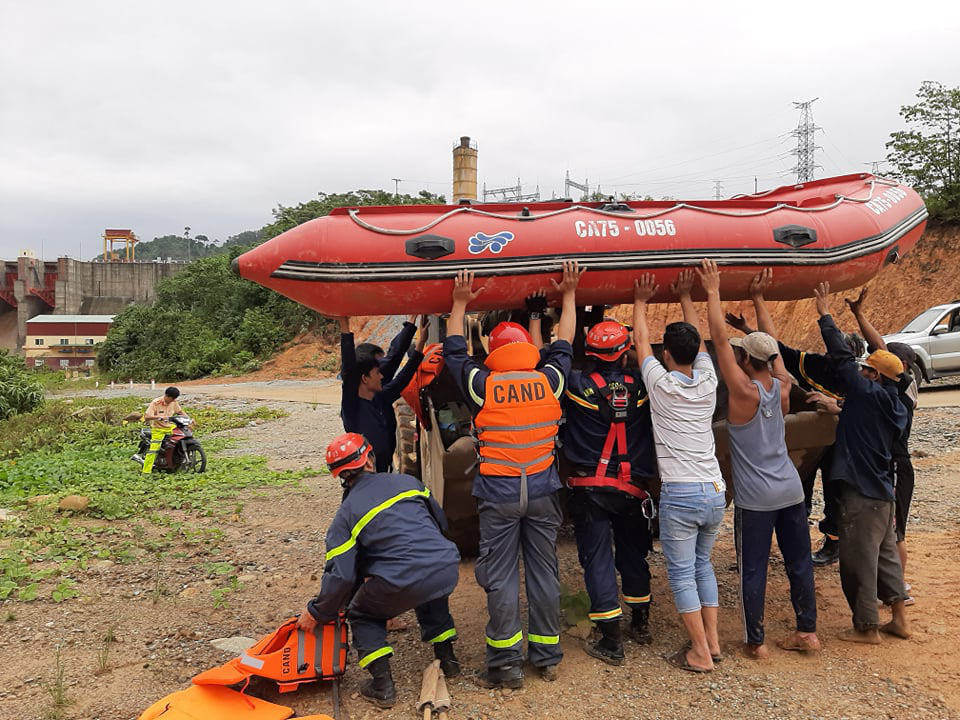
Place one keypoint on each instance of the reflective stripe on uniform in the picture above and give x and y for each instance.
(580, 401)
(812, 384)
(375, 655)
(608, 615)
(518, 428)
(473, 393)
(510, 463)
(370, 515)
(633, 600)
(544, 639)
(510, 641)
(560, 380)
(445, 635)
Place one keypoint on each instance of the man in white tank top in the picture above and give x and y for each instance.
(767, 489)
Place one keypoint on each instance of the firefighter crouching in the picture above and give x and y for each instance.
(608, 444)
(386, 554)
(516, 410)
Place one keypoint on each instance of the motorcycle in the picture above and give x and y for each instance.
(180, 450)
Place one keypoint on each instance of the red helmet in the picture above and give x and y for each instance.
(347, 452)
(506, 333)
(608, 340)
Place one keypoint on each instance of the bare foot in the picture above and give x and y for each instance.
(867, 637)
(900, 630)
(756, 652)
(800, 642)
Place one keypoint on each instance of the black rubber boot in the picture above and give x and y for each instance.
(443, 651)
(609, 647)
(640, 625)
(379, 689)
(505, 676)
(829, 552)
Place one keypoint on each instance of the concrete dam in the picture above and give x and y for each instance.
(30, 287)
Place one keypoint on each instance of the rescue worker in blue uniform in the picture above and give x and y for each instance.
(608, 445)
(386, 554)
(516, 408)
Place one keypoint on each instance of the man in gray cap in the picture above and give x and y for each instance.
(767, 491)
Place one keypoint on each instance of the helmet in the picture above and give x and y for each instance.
(608, 340)
(506, 333)
(347, 452)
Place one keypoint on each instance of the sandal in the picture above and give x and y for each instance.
(679, 660)
(716, 658)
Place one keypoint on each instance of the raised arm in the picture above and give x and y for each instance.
(682, 287)
(536, 304)
(738, 382)
(844, 362)
(870, 334)
(643, 289)
(758, 286)
(567, 326)
(463, 295)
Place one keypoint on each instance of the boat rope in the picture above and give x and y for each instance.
(354, 213)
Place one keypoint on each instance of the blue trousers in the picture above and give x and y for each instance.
(376, 601)
(610, 542)
(753, 531)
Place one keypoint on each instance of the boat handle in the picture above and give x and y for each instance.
(429, 247)
(795, 235)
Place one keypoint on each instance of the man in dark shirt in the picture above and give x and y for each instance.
(516, 408)
(367, 401)
(390, 362)
(872, 420)
(608, 445)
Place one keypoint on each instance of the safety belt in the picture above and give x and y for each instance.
(619, 400)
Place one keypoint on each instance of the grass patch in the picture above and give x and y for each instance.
(79, 447)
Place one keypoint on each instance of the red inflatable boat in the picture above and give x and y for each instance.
(399, 260)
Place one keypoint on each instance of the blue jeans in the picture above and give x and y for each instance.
(690, 518)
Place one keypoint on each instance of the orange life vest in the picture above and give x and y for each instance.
(289, 656)
(517, 425)
(426, 373)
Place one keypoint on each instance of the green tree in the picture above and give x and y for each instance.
(927, 154)
(289, 217)
(19, 391)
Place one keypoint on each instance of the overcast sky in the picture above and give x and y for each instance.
(160, 115)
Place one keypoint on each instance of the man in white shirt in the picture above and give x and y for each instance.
(683, 395)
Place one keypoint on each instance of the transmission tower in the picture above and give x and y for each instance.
(806, 145)
(513, 193)
(875, 166)
(717, 189)
(568, 183)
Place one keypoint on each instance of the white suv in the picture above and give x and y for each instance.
(934, 336)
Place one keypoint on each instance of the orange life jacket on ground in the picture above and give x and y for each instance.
(517, 423)
(289, 656)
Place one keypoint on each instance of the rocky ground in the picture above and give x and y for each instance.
(165, 616)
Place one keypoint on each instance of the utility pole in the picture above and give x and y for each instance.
(754, 184)
(396, 186)
(806, 145)
(717, 189)
(186, 234)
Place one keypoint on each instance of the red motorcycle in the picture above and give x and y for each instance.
(180, 450)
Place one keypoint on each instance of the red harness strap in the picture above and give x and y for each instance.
(616, 439)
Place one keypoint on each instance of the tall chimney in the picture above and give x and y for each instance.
(464, 170)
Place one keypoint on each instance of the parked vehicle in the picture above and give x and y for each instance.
(180, 449)
(934, 336)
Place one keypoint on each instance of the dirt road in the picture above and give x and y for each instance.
(164, 615)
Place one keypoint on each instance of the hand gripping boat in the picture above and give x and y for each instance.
(377, 260)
